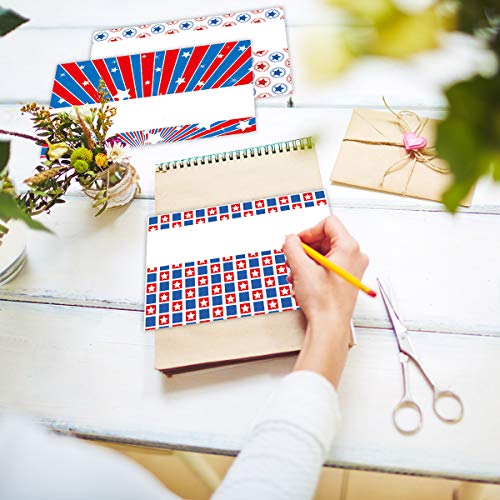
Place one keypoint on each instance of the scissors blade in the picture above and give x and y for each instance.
(398, 326)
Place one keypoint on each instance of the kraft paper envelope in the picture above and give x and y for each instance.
(216, 180)
(373, 143)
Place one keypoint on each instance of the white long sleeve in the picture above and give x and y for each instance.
(38, 465)
(288, 445)
(281, 460)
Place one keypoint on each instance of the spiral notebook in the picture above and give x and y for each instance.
(214, 254)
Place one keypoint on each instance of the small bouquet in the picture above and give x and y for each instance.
(77, 149)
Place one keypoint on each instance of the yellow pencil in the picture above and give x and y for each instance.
(321, 259)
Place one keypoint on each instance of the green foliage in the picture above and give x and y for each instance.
(75, 139)
(4, 155)
(474, 15)
(10, 209)
(469, 137)
(9, 20)
(81, 154)
(81, 166)
(9, 206)
(5, 182)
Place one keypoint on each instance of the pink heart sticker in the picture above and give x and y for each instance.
(413, 142)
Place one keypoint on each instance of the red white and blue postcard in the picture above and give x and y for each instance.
(225, 261)
(264, 27)
(168, 95)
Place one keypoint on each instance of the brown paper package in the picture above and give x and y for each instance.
(362, 161)
(204, 345)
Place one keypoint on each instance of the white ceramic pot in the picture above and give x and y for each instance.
(12, 251)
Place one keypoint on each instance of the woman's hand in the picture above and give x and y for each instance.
(326, 299)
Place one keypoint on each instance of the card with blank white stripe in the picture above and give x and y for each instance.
(168, 95)
(264, 27)
(225, 261)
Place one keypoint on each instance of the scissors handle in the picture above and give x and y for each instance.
(443, 396)
(407, 415)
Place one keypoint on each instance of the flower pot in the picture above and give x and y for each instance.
(123, 191)
(12, 250)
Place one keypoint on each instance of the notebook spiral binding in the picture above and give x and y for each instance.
(268, 149)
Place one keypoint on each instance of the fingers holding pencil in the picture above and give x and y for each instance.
(315, 285)
(328, 235)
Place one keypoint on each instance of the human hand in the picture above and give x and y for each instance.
(326, 299)
(319, 292)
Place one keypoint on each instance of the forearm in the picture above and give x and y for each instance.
(325, 347)
(287, 447)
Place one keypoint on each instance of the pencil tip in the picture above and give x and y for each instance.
(371, 293)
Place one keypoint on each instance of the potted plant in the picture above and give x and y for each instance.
(76, 148)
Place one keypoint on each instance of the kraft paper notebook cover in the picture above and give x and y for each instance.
(228, 179)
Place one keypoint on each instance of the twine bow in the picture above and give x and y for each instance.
(424, 155)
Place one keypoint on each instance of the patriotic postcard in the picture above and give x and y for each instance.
(264, 27)
(167, 95)
(225, 261)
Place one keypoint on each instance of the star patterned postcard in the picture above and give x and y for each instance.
(225, 261)
(167, 95)
(264, 27)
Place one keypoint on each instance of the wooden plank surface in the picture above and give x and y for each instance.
(420, 253)
(326, 125)
(86, 366)
(126, 13)
(97, 380)
(403, 84)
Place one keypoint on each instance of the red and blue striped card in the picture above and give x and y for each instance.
(168, 95)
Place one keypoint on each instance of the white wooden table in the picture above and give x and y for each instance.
(72, 348)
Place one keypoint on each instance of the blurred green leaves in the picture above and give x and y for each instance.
(405, 34)
(9, 207)
(9, 20)
(469, 137)
(382, 30)
(4, 155)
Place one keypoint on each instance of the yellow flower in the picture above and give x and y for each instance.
(57, 151)
(101, 160)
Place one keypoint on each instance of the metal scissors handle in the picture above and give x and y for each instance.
(407, 405)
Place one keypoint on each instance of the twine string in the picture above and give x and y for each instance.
(424, 156)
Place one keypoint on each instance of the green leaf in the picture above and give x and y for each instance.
(407, 34)
(4, 154)
(456, 193)
(469, 138)
(10, 20)
(9, 209)
(496, 167)
(476, 14)
(100, 201)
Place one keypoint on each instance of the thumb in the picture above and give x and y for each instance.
(294, 252)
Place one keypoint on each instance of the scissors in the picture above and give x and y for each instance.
(407, 404)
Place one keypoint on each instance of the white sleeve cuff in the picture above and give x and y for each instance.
(307, 401)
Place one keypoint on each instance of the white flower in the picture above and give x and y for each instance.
(118, 153)
(86, 113)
